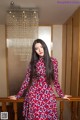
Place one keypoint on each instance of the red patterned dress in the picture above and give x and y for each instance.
(40, 100)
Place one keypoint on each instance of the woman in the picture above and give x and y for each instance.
(40, 100)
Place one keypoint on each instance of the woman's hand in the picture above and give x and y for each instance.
(67, 97)
(13, 97)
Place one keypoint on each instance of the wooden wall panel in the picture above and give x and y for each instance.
(71, 63)
(68, 55)
(79, 58)
(64, 58)
(75, 55)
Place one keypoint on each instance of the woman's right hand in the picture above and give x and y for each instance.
(13, 97)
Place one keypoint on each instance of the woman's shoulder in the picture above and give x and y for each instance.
(54, 60)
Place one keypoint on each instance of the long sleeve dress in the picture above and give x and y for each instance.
(40, 100)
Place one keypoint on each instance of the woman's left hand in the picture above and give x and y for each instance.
(67, 97)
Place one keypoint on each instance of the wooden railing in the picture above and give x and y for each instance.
(72, 101)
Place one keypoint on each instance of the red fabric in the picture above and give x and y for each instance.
(40, 100)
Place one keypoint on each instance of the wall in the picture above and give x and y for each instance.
(71, 63)
(3, 73)
(57, 48)
(71, 46)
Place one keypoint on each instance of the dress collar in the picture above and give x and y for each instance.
(41, 58)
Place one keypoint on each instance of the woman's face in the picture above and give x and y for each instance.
(39, 49)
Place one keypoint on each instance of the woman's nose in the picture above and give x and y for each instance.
(39, 49)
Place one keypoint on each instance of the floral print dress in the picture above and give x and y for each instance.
(40, 100)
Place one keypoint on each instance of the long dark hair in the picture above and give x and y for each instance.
(47, 62)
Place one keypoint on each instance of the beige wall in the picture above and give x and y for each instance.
(3, 74)
(57, 48)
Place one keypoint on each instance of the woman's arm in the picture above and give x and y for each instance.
(56, 82)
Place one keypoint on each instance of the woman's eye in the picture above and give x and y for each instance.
(36, 48)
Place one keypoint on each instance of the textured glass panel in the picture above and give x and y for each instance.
(22, 30)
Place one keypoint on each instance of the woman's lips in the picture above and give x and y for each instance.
(40, 52)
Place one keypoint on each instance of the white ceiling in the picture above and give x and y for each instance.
(50, 11)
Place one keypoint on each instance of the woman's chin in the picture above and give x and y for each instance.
(41, 55)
